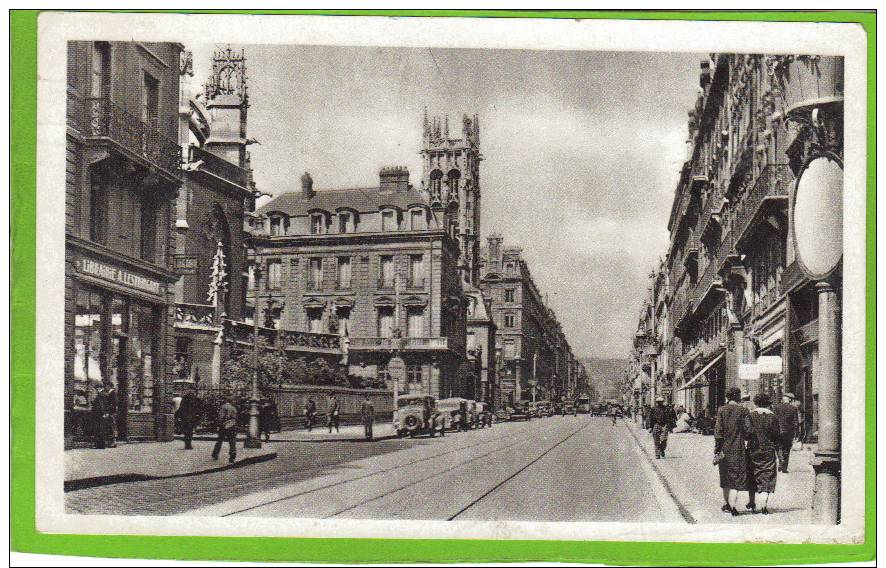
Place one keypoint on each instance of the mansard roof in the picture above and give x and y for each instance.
(360, 199)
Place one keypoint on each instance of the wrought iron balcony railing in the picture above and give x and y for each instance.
(302, 339)
(107, 120)
(202, 314)
(772, 185)
(408, 343)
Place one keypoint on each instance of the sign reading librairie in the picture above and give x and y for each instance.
(118, 275)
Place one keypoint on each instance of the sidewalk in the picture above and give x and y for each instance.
(351, 433)
(694, 482)
(151, 460)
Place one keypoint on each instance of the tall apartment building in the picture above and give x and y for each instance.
(734, 290)
(534, 355)
(376, 265)
(123, 174)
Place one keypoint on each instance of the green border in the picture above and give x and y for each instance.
(25, 537)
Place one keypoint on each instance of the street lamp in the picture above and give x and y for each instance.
(253, 438)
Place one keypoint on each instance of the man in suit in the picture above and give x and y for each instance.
(189, 410)
(788, 427)
(663, 421)
(367, 415)
(332, 413)
(227, 430)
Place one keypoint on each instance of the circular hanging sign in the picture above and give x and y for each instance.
(817, 217)
(397, 368)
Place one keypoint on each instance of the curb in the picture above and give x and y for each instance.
(684, 511)
(113, 479)
(303, 440)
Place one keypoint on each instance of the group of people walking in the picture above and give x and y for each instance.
(752, 446)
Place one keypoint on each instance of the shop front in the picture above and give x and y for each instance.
(117, 337)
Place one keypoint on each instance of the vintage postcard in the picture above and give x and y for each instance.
(449, 277)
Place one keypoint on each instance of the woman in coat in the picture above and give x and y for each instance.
(730, 452)
(763, 438)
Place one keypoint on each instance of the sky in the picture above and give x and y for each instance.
(582, 152)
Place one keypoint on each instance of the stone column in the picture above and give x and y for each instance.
(826, 463)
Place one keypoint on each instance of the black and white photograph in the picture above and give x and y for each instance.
(436, 277)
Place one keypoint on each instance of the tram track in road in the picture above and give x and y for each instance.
(464, 464)
(387, 470)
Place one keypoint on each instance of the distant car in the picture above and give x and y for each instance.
(417, 415)
(598, 410)
(484, 415)
(519, 412)
(543, 409)
(568, 408)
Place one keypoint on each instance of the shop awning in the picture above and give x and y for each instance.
(701, 373)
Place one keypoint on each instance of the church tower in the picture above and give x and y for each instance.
(227, 100)
(451, 178)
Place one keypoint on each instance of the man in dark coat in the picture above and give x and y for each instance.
(104, 409)
(367, 416)
(730, 437)
(310, 413)
(663, 421)
(189, 411)
(788, 427)
(332, 413)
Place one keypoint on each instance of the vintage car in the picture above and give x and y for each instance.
(598, 409)
(520, 411)
(484, 415)
(543, 409)
(568, 408)
(417, 415)
(456, 412)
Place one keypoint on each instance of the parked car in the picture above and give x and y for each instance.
(418, 415)
(598, 409)
(455, 412)
(484, 415)
(543, 409)
(519, 412)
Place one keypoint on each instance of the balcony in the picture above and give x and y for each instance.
(144, 142)
(415, 283)
(195, 315)
(219, 167)
(400, 343)
(690, 252)
(769, 195)
(303, 341)
(711, 278)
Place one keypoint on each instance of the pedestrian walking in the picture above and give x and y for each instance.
(367, 415)
(788, 428)
(310, 413)
(190, 409)
(613, 413)
(104, 407)
(663, 420)
(764, 436)
(332, 413)
(730, 453)
(227, 430)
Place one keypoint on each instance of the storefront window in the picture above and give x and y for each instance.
(140, 359)
(88, 368)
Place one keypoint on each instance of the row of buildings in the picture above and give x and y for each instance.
(730, 304)
(169, 261)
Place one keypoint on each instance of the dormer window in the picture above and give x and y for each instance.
(279, 225)
(416, 220)
(347, 222)
(318, 223)
(389, 220)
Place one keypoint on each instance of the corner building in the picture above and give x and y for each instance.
(376, 265)
(123, 172)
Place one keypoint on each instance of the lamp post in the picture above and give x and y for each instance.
(253, 438)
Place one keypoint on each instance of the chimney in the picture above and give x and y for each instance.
(394, 178)
(307, 186)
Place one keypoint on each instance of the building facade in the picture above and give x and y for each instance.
(123, 174)
(376, 265)
(535, 360)
(481, 332)
(739, 311)
(216, 196)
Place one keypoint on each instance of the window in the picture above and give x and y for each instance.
(343, 320)
(415, 322)
(318, 223)
(250, 277)
(274, 274)
(388, 220)
(344, 272)
(413, 376)
(140, 357)
(98, 205)
(510, 349)
(347, 222)
(274, 315)
(386, 272)
(386, 321)
(471, 341)
(416, 219)
(436, 183)
(279, 225)
(148, 228)
(315, 320)
(150, 101)
(381, 372)
(181, 370)
(509, 295)
(510, 320)
(89, 363)
(416, 270)
(101, 66)
(315, 274)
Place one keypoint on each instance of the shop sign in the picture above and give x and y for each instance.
(817, 217)
(748, 372)
(184, 264)
(118, 276)
(769, 364)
